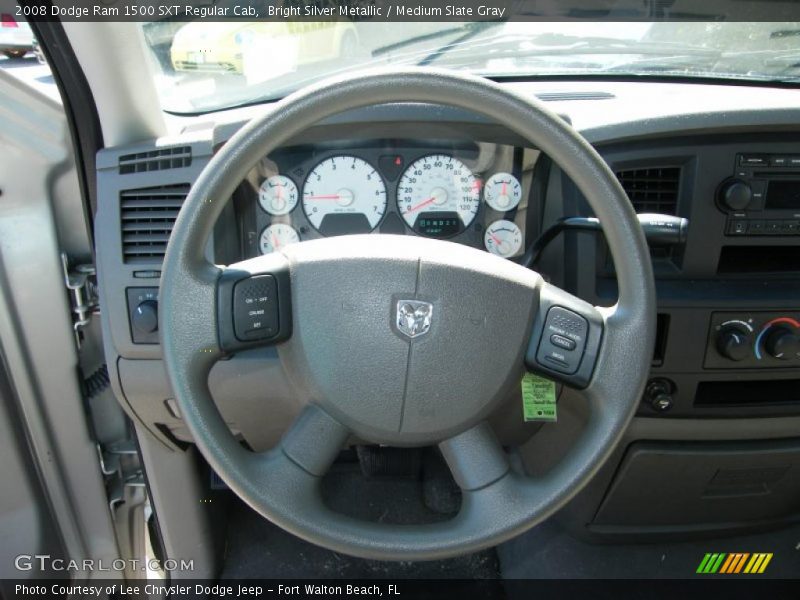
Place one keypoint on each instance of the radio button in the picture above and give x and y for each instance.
(737, 227)
(779, 161)
(756, 227)
(753, 160)
(773, 227)
(736, 195)
(794, 161)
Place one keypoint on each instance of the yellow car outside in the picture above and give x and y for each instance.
(221, 47)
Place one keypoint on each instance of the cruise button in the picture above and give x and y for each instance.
(562, 342)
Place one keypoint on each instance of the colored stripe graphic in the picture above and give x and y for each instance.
(741, 557)
(729, 563)
(704, 563)
(733, 563)
(741, 562)
(758, 563)
(711, 562)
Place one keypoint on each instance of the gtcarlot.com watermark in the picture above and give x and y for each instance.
(45, 562)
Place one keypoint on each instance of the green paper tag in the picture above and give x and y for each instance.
(538, 398)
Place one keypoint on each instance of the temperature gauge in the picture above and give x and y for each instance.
(276, 236)
(502, 191)
(278, 195)
(503, 238)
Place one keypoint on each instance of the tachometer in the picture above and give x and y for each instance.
(344, 194)
(438, 196)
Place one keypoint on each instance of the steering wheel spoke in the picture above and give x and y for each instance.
(314, 440)
(566, 337)
(475, 457)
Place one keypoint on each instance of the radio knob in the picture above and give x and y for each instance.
(733, 343)
(782, 343)
(736, 195)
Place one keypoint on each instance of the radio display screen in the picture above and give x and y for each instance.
(783, 194)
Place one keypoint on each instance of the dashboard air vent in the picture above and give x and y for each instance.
(156, 160)
(148, 215)
(652, 190)
(564, 96)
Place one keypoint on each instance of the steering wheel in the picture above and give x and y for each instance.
(403, 340)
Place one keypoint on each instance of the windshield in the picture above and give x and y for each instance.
(203, 66)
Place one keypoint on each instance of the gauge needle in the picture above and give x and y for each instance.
(324, 197)
(496, 239)
(504, 188)
(421, 204)
(275, 243)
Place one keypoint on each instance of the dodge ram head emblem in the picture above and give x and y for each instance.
(414, 317)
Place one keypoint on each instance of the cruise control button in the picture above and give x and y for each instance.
(255, 308)
(562, 342)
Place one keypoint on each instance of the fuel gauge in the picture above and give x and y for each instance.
(503, 238)
(276, 236)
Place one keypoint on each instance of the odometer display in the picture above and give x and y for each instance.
(438, 184)
(438, 224)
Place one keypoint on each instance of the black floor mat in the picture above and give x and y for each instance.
(258, 549)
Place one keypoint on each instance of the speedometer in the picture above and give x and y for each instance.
(438, 196)
(344, 194)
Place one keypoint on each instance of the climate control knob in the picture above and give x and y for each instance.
(782, 343)
(145, 316)
(736, 195)
(733, 343)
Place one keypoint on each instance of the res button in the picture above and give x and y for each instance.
(255, 308)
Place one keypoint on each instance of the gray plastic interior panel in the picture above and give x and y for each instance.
(719, 483)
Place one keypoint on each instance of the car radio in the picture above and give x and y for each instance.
(763, 196)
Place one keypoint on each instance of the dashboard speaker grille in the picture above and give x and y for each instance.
(652, 189)
(148, 215)
(156, 160)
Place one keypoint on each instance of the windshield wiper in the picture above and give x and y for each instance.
(470, 29)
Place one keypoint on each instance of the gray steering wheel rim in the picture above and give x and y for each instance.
(280, 486)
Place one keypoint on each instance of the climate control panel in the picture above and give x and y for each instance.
(753, 340)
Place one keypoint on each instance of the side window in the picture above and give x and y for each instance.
(21, 56)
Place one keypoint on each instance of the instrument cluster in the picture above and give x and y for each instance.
(470, 193)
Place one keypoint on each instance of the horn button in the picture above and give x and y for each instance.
(406, 340)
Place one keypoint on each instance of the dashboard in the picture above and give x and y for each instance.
(726, 364)
(471, 193)
(727, 309)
